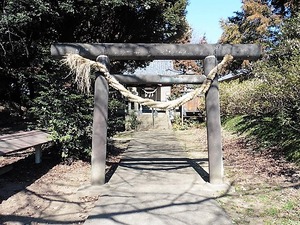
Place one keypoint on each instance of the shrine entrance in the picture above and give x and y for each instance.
(102, 53)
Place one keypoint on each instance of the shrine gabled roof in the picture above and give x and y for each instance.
(159, 67)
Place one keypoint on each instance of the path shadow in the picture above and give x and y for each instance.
(145, 191)
(25, 172)
(134, 213)
(17, 219)
(163, 164)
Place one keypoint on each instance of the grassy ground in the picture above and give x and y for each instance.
(265, 190)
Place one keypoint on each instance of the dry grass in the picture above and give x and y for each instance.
(266, 190)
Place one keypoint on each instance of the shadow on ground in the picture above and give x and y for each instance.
(25, 172)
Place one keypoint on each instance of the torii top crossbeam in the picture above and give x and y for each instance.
(142, 51)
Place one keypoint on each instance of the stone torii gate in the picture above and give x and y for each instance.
(210, 53)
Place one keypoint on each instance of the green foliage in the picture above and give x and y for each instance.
(132, 121)
(281, 86)
(67, 115)
(271, 100)
(186, 123)
(234, 93)
(232, 123)
(269, 133)
(116, 113)
(31, 79)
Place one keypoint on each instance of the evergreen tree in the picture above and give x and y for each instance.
(30, 78)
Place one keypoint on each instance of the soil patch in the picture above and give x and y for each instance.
(265, 188)
(47, 193)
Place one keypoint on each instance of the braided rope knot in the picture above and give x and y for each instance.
(82, 68)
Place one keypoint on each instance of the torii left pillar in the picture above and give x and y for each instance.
(99, 138)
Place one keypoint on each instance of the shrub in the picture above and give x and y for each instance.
(68, 115)
(271, 100)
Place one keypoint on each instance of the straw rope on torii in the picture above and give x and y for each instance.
(82, 68)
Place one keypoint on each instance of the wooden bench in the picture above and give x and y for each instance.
(12, 143)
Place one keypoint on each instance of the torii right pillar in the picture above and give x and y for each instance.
(213, 124)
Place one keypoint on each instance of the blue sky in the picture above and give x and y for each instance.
(204, 16)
